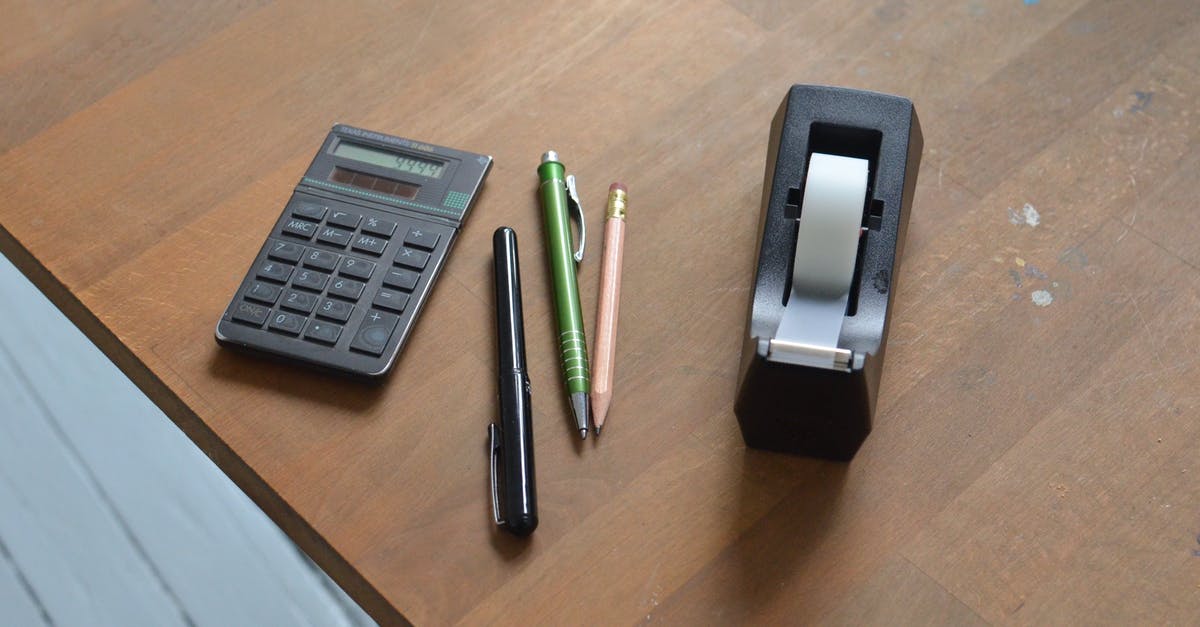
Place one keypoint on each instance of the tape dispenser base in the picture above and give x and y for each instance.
(841, 172)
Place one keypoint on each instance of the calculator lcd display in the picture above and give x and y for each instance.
(372, 183)
(390, 160)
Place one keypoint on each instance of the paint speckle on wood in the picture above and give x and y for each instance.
(1042, 298)
(1027, 216)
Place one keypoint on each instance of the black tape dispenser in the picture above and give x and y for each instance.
(841, 171)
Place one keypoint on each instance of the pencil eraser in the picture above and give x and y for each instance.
(617, 186)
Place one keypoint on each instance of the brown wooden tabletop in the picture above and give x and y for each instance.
(1035, 449)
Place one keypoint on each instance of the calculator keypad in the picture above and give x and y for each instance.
(348, 283)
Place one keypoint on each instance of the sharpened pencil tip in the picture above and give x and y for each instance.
(597, 430)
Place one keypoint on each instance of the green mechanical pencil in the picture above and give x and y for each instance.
(559, 200)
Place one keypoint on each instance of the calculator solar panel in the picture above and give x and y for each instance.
(346, 269)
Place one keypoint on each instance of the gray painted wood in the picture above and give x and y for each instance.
(21, 606)
(110, 515)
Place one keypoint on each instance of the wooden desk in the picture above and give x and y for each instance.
(1035, 451)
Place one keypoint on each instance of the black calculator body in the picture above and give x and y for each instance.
(350, 263)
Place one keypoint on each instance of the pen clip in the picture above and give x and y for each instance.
(576, 211)
(494, 445)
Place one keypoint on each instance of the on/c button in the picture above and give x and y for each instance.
(375, 331)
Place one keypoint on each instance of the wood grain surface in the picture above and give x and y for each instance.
(1034, 457)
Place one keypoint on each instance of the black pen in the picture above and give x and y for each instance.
(512, 439)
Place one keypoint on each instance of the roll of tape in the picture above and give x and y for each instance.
(830, 219)
(835, 192)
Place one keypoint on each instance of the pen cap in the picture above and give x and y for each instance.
(510, 328)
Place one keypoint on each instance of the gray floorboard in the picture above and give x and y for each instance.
(110, 515)
(21, 605)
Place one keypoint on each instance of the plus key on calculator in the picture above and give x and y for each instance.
(350, 262)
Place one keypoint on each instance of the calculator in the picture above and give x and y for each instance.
(351, 261)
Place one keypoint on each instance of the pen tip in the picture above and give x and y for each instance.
(579, 407)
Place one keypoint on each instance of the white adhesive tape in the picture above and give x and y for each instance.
(835, 192)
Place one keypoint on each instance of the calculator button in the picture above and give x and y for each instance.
(335, 309)
(299, 301)
(310, 280)
(412, 258)
(263, 293)
(345, 218)
(403, 279)
(285, 251)
(346, 288)
(388, 299)
(421, 238)
(310, 210)
(321, 259)
(370, 244)
(326, 332)
(337, 237)
(376, 330)
(300, 228)
(250, 313)
(274, 271)
(286, 322)
(379, 226)
(357, 268)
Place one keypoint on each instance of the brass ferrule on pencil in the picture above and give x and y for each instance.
(616, 203)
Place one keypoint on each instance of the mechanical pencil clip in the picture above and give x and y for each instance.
(559, 200)
(511, 441)
(576, 210)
